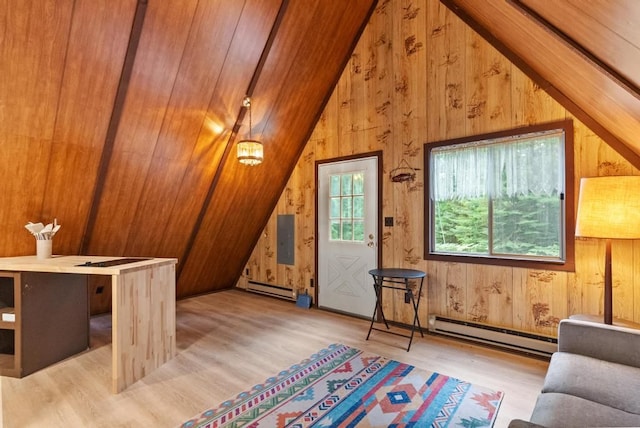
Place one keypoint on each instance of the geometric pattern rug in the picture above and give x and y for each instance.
(344, 387)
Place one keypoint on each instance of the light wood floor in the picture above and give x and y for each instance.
(228, 342)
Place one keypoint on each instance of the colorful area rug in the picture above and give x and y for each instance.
(344, 387)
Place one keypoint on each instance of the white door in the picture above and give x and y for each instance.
(347, 235)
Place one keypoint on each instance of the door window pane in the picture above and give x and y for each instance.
(347, 213)
(347, 189)
(334, 208)
(335, 230)
(346, 207)
(358, 183)
(358, 231)
(347, 231)
(334, 185)
(358, 207)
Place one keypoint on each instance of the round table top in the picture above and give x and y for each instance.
(397, 273)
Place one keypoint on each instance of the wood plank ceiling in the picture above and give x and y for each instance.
(119, 117)
(586, 54)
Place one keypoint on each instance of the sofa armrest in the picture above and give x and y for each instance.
(605, 342)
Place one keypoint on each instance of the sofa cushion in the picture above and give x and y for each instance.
(566, 411)
(610, 384)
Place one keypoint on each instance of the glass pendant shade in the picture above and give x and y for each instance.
(250, 152)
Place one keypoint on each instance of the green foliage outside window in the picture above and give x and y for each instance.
(462, 226)
(521, 225)
(527, 225)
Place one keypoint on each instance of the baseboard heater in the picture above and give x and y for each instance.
(496, 336)
(271, 290)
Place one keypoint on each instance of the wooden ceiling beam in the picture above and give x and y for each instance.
(229, 145)
(114, 122)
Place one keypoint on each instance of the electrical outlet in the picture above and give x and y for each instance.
(407, 297)
(388, 221)
(246, 271)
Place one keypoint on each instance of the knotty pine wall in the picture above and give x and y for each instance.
(419, 75)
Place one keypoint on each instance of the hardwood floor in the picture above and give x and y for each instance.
(228, 342)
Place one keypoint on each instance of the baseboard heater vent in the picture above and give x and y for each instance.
(271, 290)
(501, 337)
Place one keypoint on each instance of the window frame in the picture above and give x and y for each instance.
(569, 202)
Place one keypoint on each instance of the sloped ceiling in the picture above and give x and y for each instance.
(585, 53)
(119, 118)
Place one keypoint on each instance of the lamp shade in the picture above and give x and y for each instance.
(609, 207)
(250, 152)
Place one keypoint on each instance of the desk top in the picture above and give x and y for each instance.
(70, 264)
(397, 273)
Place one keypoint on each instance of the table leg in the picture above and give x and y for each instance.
(143, 327)
(415, 304)
(377, 285)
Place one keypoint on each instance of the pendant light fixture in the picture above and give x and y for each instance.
(250, 151)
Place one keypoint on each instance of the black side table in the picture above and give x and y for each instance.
(386, 278)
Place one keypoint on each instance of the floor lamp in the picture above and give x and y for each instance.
(609, 208)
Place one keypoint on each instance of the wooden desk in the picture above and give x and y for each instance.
(143, 308)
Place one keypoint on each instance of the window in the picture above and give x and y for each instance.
(346, 207)
(502, 196)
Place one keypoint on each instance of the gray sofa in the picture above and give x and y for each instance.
(592, 381)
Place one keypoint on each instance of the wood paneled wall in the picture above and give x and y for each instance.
(418, 75)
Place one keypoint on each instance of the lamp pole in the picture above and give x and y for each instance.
(608, 285)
